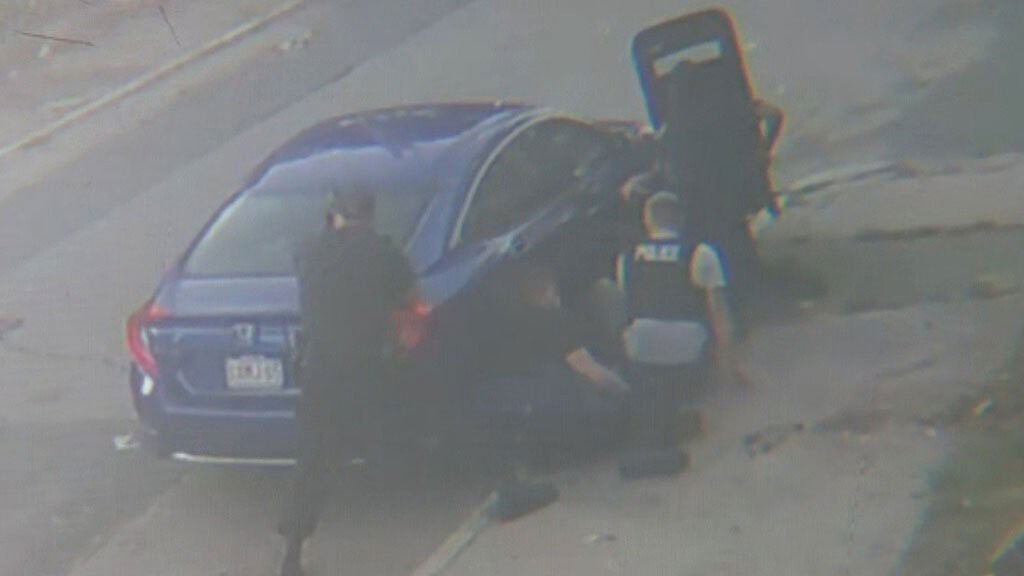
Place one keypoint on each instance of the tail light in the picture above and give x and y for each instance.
(412, 324)
(138, 341)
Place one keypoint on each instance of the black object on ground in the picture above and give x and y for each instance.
(653, 462)
(516, 499)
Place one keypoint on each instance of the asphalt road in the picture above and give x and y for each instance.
(83, 240)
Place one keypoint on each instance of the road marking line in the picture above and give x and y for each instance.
(459, 540)
(145, 80)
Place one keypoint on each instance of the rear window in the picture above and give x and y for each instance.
(260, 233)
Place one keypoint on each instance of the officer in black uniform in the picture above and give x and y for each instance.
(351, 280)
(679, 321)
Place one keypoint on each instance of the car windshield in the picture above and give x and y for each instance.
(259, 234)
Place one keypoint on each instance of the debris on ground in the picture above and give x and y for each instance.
(125, 442)
(990, 286)
(297, 42)
(170, 27)
(770, 438)
(9, 324)
(650, 463)
(600, 538)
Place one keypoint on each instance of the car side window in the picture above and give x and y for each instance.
(540, 164)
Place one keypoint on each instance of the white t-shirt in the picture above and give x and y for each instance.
(706, 268)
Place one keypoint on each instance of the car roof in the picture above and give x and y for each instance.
(393, 144)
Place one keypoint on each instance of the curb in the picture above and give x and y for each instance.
(458, 541)
(145, 80)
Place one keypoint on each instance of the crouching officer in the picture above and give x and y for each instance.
(351, 280)
(678, 315)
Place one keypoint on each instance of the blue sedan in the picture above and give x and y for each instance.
(465, 188)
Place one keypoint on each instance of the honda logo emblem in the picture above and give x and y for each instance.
(244, 334)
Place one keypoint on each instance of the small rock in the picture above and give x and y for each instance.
(989, 286)
(298, 42)
(599, 538)
(44, 50)
(124, 442)
(930, 432)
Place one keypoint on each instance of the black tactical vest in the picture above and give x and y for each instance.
(657, 282)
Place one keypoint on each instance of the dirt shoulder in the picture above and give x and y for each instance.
(976, 503)
(58, 56)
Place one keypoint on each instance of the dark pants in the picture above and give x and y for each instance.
(334, 429)
(659, 393)
(542, 415)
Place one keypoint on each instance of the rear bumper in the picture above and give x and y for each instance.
(207, 435)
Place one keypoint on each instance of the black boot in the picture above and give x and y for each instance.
(517, 498)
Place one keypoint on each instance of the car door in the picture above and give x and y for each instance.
(527, 189)
(532, 185)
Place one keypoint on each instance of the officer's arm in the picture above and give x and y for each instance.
(721, 324)
(706, 272)
(583, 363)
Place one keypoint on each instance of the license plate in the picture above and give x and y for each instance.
(254, 373)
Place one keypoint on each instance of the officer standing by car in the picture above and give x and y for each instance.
(678, 315)
(351, 281)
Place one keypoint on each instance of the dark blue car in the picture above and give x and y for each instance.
(465, 188)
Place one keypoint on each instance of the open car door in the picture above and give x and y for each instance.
(716, 138)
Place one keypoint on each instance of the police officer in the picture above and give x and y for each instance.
(351, 280)
(678, 315)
